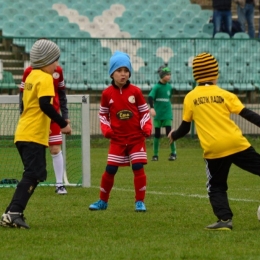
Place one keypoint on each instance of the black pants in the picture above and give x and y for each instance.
(33, 156)
(34, 162)
(217, 173)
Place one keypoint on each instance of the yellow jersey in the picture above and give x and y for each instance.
(34, 125)
(210, 108)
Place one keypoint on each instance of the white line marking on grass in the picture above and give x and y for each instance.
(180, 194)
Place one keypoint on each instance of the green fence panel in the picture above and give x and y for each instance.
(85, 62)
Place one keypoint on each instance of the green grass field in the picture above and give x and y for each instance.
(178, 209)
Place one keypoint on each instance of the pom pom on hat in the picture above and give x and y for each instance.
(163, 71)
(205, 67)
(119, 60)
(43, 53)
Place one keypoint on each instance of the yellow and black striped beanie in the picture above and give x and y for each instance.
(205, 67)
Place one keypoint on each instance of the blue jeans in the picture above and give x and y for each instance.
(220, 17)
(246, 14)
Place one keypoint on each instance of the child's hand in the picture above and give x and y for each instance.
(152, 112)
(109, 134)
(170, 136)
(147, 132)
(66, 130)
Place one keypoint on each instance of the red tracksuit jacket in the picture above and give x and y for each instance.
(124, 115)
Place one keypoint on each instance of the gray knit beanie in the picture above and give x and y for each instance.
(43, 53)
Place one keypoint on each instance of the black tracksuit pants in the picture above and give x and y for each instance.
(34, 162)
(217, 174)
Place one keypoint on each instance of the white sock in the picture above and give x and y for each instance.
(57, 160)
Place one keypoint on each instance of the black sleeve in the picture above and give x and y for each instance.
(21, 102)
(250, 116)
(183, 129)
(150, 101)
(48, 109)
(63, 103)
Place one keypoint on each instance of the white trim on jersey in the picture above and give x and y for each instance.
(145, 118)
(104, 121)
(103, 110)
(61, 84)
(143, 108)
(22, 85)
(55, 138)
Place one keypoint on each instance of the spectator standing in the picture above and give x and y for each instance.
(245, 14)
(159, 100)
(32, 132)
(55, 138)
(222, 14)
(125, 120)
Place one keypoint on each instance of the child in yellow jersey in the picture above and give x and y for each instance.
(221, 139)
(32, 132)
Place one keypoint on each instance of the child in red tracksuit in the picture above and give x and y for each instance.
(125, 120)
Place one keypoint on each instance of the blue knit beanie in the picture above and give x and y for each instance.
(119, 60)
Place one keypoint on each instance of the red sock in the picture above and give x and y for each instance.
(140, 184)
(106, 185)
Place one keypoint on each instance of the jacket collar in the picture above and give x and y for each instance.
(125, 86)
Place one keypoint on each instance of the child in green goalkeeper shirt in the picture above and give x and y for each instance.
(161, 110)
